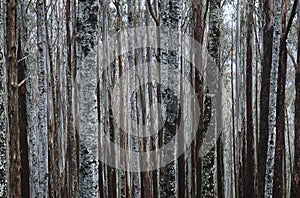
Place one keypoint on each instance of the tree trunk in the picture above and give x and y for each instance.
(14, 161)
(264, 97)
(278, 188)
(3, 145)
(249, 183)
(296, 170)
(208, 182)
(42, 100)
(87, 30)
(23, 121)
(196, 160)
(272, 102)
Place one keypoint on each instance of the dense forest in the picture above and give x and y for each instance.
(149, 98)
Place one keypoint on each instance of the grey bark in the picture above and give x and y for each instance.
(272, 101)
(42, 101)
(3, 169)
(208, 183)
(87, 30)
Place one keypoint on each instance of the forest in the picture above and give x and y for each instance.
(149, 98)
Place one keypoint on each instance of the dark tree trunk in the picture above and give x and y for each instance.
(264, 97)
(14, 161)
(198, 36)
(278, 187)
(23, 122)
(249, 183)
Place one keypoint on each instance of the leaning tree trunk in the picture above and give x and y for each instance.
(14, 166)
(87, 29)
(272, 102)
(296, 172)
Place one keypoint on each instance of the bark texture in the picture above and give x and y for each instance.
(87, 30)
(272, 102)
(14, 160)
(249, 183)
(42, 101)
(295, 191)
(265, 90)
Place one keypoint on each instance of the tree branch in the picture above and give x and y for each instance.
(156, 18)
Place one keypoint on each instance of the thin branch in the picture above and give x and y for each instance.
(292, 58)
(23, 81)
(22, 59)
(204, 20)
(293, 13)
(256, 12)
(156, 18)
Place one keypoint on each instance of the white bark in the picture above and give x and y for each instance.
(272, 101)
(42, 101)
(32, 122)
(87, 31)
(3, 180)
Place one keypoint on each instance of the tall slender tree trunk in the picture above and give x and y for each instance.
(278, 188)
(3, 145)
(249, 183)
(87, 31)
(171, 17)
(23, 120)
(198, 36)
(208, 183)
(42, 100)
(295, 191)
(14, 161)
(264, 97)
(3, 180)
(71, 137)
(272, 102)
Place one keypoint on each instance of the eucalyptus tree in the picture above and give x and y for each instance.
(3, 168)
(272, 102)
(87, 31)
(249, 180)
(170, 15)
(264, 96)
(295, 191)
(42, 101)
(3, 180)
(212, 76)
(14, 161)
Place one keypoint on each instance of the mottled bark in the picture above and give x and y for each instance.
(295, 191)
(264, 97)
(3, 168)
(171, 17)
(208, 178)
(87, 30)
(42, 100)
(272, 102)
